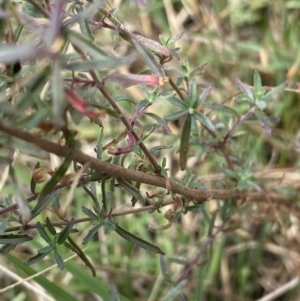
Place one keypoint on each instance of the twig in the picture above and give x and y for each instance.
(87, 219)
(201, 252)
(104, 167)
(99, 85)
(281, 290)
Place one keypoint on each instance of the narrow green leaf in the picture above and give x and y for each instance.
(91, 233)
(184, 141)
(46, 249)
(43, 233)
(84, 14)
(193, 93)
(3, 224)
(163, 266)
(50, 226)
(86, 45)
(14, 239)
(244, 88)
(38, 257)
(202, 97)
(264, 121)
(139, 242)
(21, 201)
(221, 108)
(83, 23)
(114, 295)
(90, 213)
(58, 99)
(131, 190)
(58, 259)
(104, 64)
(257, 83)
(204, 120)
(174, 291)
(81, 255)
(176, 115)
(177, 102)
(92, 284)
(174, 39)
(160, 121)
(154, 150)
(148, 57)
(31, 10)
(56, 291)
(109, 225)
(272, 93)
(32, 182)
(43, 200)
(63, 235)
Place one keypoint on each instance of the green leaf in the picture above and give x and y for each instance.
(73, 246)
(139, 242)
(192, 93)
(272, 93)
(58, 98)
(148, 57)
(14, 239)
(30, 10)
(245, 89)
(264, 121)
(204, 120)
(176, 115)
(84, 14)
(174, 39)
(163, 266)
(44, 198)
(184, 141)
(90, 213)
(46, 249)
(257, 84)
(56, 291)
(91, 233)
(131, 190)
(114, 295)
(38, 257)
(174, 291)
(109, 225)
(154, 150)
(84, 24)
(63, 235)
(159, 120)
(104, 64)
(3, 224)
(202, 97)
(86, 45)
(50, 226)
(21, 201)
(221, 108)
(177, 102)
(58, 259)
(92, 284)
(43, 233)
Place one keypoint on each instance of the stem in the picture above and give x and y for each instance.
(104, 167)
(209, 240)
(100, 86)
(87, 219)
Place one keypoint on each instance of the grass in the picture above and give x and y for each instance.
(259, 251)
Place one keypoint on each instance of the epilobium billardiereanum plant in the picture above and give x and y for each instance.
(61, 77)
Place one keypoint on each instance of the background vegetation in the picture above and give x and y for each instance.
(232, 222)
